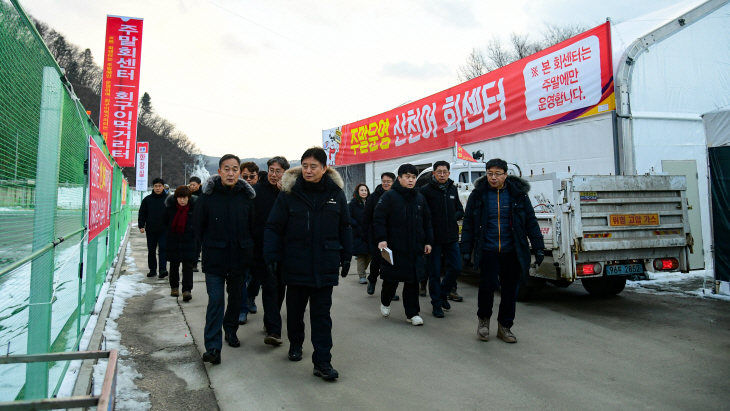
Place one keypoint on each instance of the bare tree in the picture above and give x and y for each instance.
(555, 33)
(474, 67)
(522, 46)
(497, 54)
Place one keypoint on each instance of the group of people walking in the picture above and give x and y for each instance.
(293, 233)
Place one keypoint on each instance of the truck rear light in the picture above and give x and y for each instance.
(588, 269)
(666, 264)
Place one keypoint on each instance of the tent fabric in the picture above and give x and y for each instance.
(625, 33)
(717, 127)
(720, 188)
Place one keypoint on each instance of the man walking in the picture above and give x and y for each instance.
(194, 183)
(308, 235)
(446, 210)
(499, 219)
(386, 183)
(250, 174)
(402, 223)
(150, 223)
(224, 216)
(274, 290)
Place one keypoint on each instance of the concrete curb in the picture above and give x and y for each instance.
(83, 381)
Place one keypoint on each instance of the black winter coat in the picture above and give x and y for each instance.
(308, 233)
(368, 232)
(180, 247)
(224, 219)
(265, 198)
(359, 246)
(446, 211)
(150, 212)
(524, 223)
(402, 218)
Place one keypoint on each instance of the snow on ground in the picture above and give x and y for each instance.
(679, 284)
(129, 397)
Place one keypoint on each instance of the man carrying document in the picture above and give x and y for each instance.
(402, 225)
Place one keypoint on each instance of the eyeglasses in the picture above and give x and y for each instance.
(441, 173)
(387, 182)
(495, 174)
(248, 176)
(278, 172)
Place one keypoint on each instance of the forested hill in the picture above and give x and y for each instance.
(173, 156)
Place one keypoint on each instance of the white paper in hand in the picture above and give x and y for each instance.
(387, 255)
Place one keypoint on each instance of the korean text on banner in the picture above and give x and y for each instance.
(569, 80)
(143, 162)
(100, 190)
(120, 87)
(462, 154)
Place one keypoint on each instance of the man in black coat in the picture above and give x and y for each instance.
(443, 201)
(402, 223)
(195, 184)
(274, 290)
(308, 235)
(150, 223)
(386, 183)
(498, 221)
(224, 218)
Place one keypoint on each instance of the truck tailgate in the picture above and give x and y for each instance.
(629, 212)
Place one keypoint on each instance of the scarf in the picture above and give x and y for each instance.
(442, 187)
(181, 218)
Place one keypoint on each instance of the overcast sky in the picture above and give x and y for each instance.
(263, 78)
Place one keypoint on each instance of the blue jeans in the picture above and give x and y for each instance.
(436, 288)
(244, 292)
(214, 315)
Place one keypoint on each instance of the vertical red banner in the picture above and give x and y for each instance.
(100, 190)
(120, 87)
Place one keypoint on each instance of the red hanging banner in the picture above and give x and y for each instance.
(569, 80)
(120, 87)
(100, 190)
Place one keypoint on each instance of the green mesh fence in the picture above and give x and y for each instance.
(50, 275)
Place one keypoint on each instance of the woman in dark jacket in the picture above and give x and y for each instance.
(359, 247)
(182, 246)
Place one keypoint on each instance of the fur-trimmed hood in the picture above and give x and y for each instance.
(291, 175)
(513, 182)
(170, 200)
(209, 185)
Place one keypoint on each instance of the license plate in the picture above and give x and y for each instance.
(623, 220)
(624, 269)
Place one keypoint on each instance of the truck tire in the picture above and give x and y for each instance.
(604, 286)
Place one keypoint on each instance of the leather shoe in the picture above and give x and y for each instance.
(232, 340)
(273, 339)
(295, 353)
(213, 356)
(396, 298)
(438, 313)
(371, 288)
(445, 305)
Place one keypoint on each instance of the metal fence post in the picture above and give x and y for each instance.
(44, 216)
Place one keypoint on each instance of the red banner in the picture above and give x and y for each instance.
(120, 87)
(100, 190)
(570, 80)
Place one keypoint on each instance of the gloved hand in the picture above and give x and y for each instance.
(467, 260)
(539, 256)
(271, 268)
(345, 269)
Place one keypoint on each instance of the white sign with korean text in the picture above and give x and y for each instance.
(563, 81)
(142, 171)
